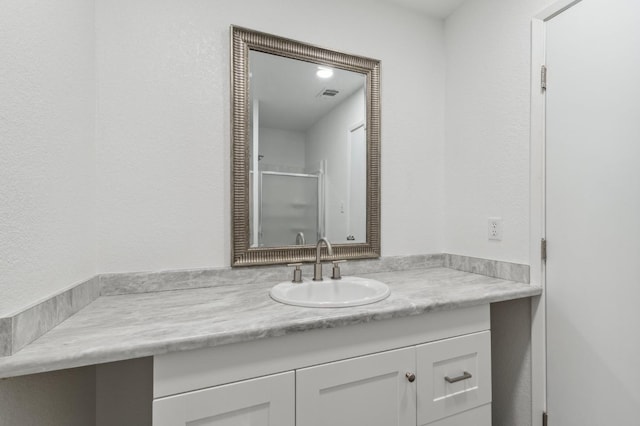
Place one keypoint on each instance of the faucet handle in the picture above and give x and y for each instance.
(297, 273)
(336, 269)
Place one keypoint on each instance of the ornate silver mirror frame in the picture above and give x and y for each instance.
(242, 254)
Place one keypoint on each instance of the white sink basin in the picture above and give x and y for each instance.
(349, 291)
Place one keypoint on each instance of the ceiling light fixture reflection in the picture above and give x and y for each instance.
(324, 72)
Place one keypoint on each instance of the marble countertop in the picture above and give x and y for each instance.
(114, 328)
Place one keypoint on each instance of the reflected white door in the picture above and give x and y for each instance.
(593, 214)
(358, 185)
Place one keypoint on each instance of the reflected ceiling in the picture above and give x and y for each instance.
(302, 104)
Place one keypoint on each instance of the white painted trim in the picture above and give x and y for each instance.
(537, 206)
(536, 180)
(555, 9)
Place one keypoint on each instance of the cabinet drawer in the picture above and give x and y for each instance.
(479, 416)
(454, 375)
(265, 401)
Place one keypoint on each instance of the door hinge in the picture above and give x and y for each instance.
(545, 419)
(543, 250)
(543, 78)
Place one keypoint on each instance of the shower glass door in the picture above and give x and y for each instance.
(289, 209)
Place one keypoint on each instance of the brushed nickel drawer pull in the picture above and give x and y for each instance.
(466, 375)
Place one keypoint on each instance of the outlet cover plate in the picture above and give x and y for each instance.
(495, 228)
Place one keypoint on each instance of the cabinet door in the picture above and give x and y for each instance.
(370, 390)
(454, 375)
(266, 401)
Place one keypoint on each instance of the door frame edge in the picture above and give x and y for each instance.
(537, 230)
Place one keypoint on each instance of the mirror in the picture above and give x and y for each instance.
(305, 151)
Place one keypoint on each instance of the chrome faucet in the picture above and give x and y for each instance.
(317, 268)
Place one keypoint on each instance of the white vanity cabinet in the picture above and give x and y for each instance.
(431, 369)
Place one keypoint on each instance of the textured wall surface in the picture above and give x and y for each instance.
(47, 93)
(163, 121)
(66, 397)
(487, 44)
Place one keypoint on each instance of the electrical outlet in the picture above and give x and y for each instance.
(495, 228)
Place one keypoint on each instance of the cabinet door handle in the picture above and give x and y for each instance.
(410, 377)
(466, 375)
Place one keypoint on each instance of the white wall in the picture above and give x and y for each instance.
(487, 44)
(163, 122)
(163, 131)
(282, 148)
(47, 93)
(328, 140)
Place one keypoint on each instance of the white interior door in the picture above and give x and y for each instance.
(593, 214)
(358, 186)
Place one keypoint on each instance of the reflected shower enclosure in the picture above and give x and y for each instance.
(291, 207)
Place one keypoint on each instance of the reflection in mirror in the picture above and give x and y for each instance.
(307, 151)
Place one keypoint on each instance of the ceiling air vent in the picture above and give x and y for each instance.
(328, 92)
